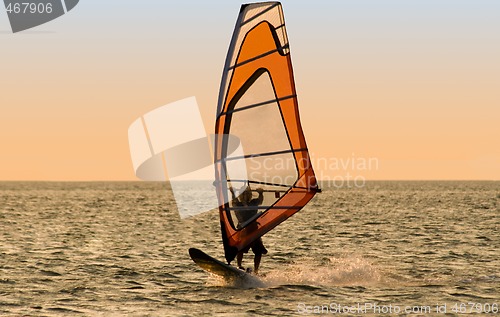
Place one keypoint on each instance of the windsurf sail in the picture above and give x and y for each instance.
(258, 104)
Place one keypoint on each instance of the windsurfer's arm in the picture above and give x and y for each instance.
(261, 195)
(234, 200)
(232, 192)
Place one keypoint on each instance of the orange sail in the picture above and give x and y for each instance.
(258, 104)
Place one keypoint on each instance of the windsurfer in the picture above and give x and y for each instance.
(244, 215)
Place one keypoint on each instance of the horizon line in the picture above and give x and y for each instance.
(320, 181)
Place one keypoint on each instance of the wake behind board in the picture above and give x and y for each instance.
(226, 271)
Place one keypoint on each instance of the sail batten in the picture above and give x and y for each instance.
(254, 155)
(265, 183)
(266, 207)
(258, 104)
(280, 49)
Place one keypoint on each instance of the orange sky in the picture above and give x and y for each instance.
(414, 88)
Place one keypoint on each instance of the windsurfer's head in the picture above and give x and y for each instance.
(246, 194)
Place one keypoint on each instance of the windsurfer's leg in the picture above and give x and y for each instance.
(239, 259)
(256, 263)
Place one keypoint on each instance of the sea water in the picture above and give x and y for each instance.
(120, 249)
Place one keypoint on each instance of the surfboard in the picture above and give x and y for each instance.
(214, 266)
(229, 273)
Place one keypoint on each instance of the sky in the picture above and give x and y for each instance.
(409, 88)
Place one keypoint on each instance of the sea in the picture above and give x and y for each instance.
(412, 248)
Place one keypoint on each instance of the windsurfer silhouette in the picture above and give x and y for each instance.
(244, 215)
